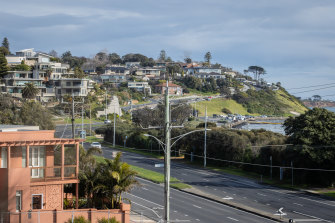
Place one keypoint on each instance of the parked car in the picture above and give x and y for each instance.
(96, 145)
(107, 121)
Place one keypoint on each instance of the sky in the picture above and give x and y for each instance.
(293, 40)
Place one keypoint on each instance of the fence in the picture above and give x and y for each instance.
(53, 216)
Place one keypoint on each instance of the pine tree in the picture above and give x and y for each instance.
(3, 66)
(5, 43)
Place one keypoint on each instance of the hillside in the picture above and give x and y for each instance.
(277, 103)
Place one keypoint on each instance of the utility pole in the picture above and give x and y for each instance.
(205, 143)
(90, 121)
(167, 156)
(106, 104)
(82, 122)
(131, 107)
(72, 120)
(114, 129)
(271, 167)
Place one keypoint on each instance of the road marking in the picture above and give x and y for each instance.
(206, 180)
(245, 197)
(268, 204)
(298, 204)
(227, 198)
(232, 219)
(306, 220)
(184, 174)
(186, 215)
(197, 219)
(317, 201)
(196, 206)
(256, 201)
(310, 216)
(145, 200)
(144, 188)
(261, 194)
(216, 189)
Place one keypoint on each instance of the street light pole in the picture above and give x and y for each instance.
(167, 156)
(114, 129)
(205, 143)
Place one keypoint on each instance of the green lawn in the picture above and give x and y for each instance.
(93, 139)
(330, 194)
(293, 104)
(151, 175)
(216, 105)
(196, 92)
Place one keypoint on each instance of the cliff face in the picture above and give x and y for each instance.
(319, 104)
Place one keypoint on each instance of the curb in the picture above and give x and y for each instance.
(235, 205)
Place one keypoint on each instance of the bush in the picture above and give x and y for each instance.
(79, 219)
(226, 111)
(104, 220)
(209, 124)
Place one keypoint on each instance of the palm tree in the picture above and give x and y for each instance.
(30, 91)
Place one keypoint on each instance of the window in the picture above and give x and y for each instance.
(24, 157)
(37, 159)
(3, 157)
(68, 83)
(18, 200)
(37, 201)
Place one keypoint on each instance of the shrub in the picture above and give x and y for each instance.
(79, 219)
(226, 111)
(104, 220)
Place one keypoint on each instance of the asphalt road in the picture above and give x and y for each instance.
(297, 205)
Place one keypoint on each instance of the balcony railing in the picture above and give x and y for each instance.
(38, 174)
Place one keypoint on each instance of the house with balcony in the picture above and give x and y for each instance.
(174, 89)
(140, 86)
(149, 72)
(35, 166)
(194, 70)
(72, 86)
(209, 75)
(35, 170)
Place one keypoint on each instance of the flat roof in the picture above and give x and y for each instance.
(15, 128)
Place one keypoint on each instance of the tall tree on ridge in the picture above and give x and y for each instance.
(5, 43)
(3, 66)
(208, 57)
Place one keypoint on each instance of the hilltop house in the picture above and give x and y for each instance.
(173, 88)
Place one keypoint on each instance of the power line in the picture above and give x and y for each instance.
(313, 90)
(310, 86)
(261, 165)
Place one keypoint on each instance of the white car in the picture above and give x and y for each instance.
(96, 145)
(107, 121)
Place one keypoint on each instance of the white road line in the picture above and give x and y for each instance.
(312, 216)
(145, 200)
(317, 201)
(144, 188)
(213, 202)
(261, 194)
(197, 219)
(298, 204)
(196, 206)
(232, 219)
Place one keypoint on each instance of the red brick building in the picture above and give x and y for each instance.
(35, 166)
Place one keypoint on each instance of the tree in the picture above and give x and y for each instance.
(208, 57)
(3, 66)
(114, 58)
(188, 60)
(257, 71)
(5, 43)
(315, 127)
(4, 51)
(30, 91)
(21, 67)
(53, 53)
(316, 98)
(162, 55)
(32, 113)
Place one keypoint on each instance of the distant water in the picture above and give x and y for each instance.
(278, 128)
(332, 109)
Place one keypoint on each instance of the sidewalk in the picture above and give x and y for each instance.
(138, 218)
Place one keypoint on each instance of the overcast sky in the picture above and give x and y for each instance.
(292, 39)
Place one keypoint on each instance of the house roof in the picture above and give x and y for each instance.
(170, 85)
